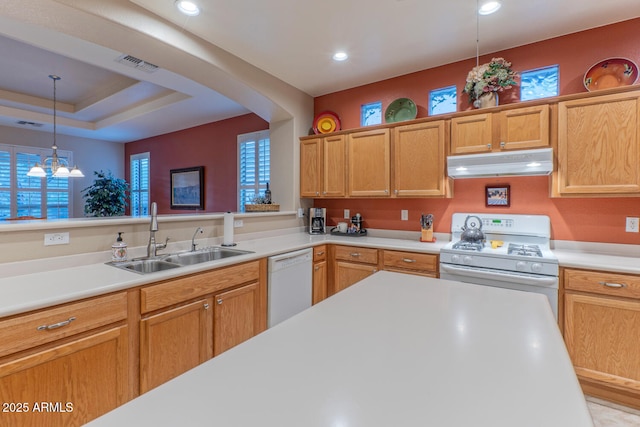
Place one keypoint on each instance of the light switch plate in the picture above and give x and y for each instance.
(346, 214)
(632, 225)
(404, 215)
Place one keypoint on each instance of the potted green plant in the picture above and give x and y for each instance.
(107, 196)
(486, 80)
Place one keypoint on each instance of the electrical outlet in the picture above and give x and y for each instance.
(404, 215)
(237, 223)
(56, 239)
(346, 214)
(300, 213)
(632, 225)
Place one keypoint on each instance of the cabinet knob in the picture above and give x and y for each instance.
(395, 191)
(219, 301)
(206, 306)
(317, 193)
(324, 193)
(386, 191)
(503, 144)
(489, 146)
(316, 268)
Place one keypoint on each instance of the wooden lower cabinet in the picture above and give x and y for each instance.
(411, 263)
(174, 341)
(237, 317)
(66, 384)
(320, 272)
(602, 333)
(348, 273)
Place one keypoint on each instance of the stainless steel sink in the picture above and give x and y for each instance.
(145, 265)
(176, 260)
(204, 255)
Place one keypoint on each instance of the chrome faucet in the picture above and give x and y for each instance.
(193, 239)
(152, 246)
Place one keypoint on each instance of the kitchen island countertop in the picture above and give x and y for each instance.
(391, 350)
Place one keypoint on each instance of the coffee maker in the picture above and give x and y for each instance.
(317, 220)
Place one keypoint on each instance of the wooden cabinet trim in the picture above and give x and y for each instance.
(21, 332)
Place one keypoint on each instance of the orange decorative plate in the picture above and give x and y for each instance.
(326, 122)
(609, 73)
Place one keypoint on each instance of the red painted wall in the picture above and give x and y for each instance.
(574, 53)
(583, 219)
(213, 145)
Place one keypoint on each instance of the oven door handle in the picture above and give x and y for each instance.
(493, 274)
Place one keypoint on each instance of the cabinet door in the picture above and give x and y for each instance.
(346, 274)
(71, 383)
(369, 163)
(471, 134)
(599, 145)
(236, 317)
(524, 128)
(334, 183)
(174, 341)
(319, 281)
(311, 167)
(419, 159)
(603, 339)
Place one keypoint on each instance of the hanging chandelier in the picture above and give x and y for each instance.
(59, 166)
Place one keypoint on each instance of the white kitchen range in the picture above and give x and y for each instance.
(505, 251)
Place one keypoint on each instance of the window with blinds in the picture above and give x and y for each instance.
(140, 173)
(254, 166)
(21, 195)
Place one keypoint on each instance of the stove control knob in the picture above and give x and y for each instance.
(467, 260)
(455, 258)
(521, 266)
(536, 267)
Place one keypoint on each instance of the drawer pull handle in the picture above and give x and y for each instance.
(320, 253)
(613, 285)
(354, 254)
(409, 260)
(316, 268)
(56, 325)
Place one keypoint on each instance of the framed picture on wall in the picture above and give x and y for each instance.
(187, 188)
(498, 195)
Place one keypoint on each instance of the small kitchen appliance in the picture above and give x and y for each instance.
(317, 220)
(504, 251)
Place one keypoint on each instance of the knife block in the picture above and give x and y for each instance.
(427, 235)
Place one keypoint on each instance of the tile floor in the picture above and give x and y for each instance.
(607, 414)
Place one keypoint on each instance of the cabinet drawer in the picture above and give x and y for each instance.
(319, 253)
(164, 294)
(600, 282)
(356, 254)
(411, 260)
(31, 330)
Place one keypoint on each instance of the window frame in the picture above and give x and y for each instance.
(259, 185)
(134, 210)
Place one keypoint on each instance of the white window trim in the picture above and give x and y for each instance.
(132, 158)
(246, 137)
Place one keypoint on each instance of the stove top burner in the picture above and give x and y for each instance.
(468, 246)
(524, 250)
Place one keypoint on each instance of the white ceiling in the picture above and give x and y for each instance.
(292, 40)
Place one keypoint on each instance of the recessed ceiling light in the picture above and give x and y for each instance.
(188, 7)
(489, 7)
(340, 56)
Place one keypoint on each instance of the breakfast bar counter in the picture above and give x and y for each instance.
(391, 350)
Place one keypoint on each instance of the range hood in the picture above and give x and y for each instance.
(512, 163)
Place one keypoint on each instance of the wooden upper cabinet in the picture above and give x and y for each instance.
(322, 167)
(509, 129)
(311, 167)
(599, 146)
(334, 164)
(471, 134)
(368, 154)
(420, 159)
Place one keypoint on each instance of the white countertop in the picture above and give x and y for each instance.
(391, 350)
(87, 276)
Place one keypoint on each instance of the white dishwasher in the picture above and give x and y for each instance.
(290, 284)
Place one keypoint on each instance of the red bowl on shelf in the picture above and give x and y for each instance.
(610, 73)
(326, 122)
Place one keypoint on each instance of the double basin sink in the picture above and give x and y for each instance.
(177, 260)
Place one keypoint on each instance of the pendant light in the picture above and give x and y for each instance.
(59, 167)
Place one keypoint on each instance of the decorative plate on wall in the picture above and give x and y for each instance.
(326, 122)
(400, 110)
(610, 73)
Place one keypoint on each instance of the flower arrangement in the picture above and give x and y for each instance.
(496, 76)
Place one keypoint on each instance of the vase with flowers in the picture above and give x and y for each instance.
(486, 80)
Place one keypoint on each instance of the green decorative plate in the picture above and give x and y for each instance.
(400, 110)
